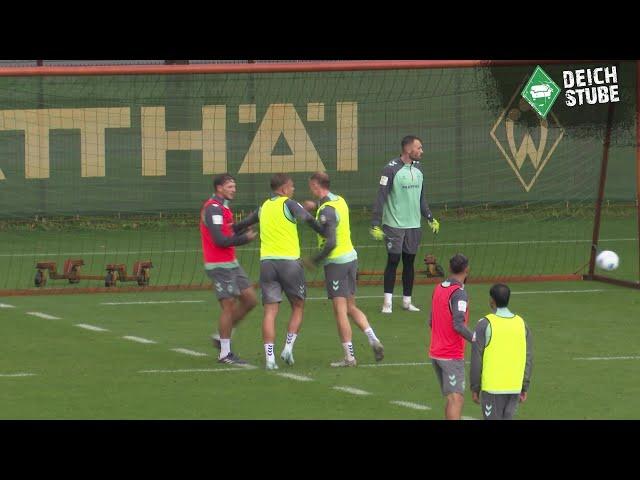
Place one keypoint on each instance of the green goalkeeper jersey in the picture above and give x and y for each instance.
(401, 196)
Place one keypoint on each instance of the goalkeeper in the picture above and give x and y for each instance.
(398, 207)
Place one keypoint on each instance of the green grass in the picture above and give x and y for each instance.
(81, 374)
(497, 242)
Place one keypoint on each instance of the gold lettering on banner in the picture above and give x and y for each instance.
(92, 123)
(247, 113)
(156, 140)
(281, 125)
(281, 119)
(347, 135)
(315, 112)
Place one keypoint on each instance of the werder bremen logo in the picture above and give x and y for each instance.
(521, 134)
(541, 92)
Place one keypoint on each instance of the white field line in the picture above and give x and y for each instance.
(152, 302)
(415, 406)
(6, 305)
(556, 291)
(17, 374)
(394, 364)
(512, 293)
(357, 297)
(354, 391)
(293, 376)
(138, 339)
(43, 315)
(198, 370)
(105, 252)
(186, 351)
(91, 327)
(527, 242)
(246, 366)
(635, 357)
(468, 418)
(408, 364)
(379, 245)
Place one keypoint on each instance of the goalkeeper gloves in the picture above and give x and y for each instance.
(435, 225)
(376, 232)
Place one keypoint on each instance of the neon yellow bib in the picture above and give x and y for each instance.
(278, 234)
(505, 357)
(343, 228)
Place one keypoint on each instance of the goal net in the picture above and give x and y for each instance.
(102, 168)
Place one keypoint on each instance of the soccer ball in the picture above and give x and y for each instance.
(607, 260)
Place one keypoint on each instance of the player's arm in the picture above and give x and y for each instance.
(213, 219)
(329, 221)
(431, 313)
(252, 219)
(529, 363)
(386, 182)
(425, 211)
(477, 352)
(300, 213)
(458, 305)
(424, 206)
(310, 205)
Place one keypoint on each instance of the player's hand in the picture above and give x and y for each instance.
(476, 397)
(309, 206)
(523, 397)
(238, 229)
(376, 232)
(435, 225)
(251, 234)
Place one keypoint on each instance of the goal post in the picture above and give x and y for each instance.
(109, 165)
(633, 260)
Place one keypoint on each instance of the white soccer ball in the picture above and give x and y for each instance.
(607, 260)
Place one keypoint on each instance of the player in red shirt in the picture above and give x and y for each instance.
(448, 322)
(219, 238)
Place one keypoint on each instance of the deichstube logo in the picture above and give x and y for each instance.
(520, 134)
(541, 92)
